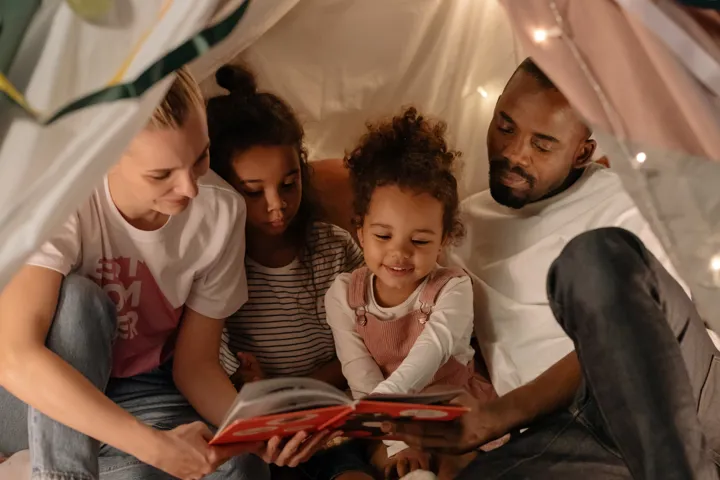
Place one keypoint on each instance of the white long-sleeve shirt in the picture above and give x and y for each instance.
(447, 333)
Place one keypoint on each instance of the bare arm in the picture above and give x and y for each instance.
(27, 308)
(331, 373)
(553, 390)
(197, 370)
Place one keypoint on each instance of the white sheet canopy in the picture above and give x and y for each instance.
(343, 62)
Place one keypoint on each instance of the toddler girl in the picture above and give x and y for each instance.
(402, 324)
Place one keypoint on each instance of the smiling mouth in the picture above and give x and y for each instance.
(399, 270)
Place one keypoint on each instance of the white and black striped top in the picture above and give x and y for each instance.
(283, 322)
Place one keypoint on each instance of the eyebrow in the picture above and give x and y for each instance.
(290, 173)
(421, 230)
(202, 155)
(541, 136)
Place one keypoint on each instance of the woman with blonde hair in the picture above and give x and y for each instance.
(111, 331)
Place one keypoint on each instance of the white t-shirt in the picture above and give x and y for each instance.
(509, 253)
(447, 333)
(283, 322)
(196, 259)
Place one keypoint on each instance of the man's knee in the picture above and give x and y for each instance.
(84, 326)
(596, 268)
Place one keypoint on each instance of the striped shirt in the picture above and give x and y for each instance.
(283, 322)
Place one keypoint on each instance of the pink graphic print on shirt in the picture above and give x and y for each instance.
(147, 322)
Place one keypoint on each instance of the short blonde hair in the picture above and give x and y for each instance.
(183, 95)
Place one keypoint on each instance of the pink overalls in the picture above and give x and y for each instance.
(390, 341)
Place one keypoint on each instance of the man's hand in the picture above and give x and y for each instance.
(474, 429)
(297, 449)
(184, 452)
(406, 461)
(248, 371)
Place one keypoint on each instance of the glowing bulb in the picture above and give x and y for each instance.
(482, 92)
(715, 263)
(540, 35)
(641, 157)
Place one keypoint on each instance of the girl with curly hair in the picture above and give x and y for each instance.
(403, 324)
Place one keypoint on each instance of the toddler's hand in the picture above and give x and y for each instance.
(405, 462)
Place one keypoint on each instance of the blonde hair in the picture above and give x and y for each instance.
(183, 95)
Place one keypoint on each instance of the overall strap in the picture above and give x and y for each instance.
(357, 293)
(437, 281)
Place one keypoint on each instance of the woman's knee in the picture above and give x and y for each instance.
(84, 327)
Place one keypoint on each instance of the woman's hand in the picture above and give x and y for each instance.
(296, 450)
(184, 451)
(248, 371)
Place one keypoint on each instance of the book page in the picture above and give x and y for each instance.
(282, 395)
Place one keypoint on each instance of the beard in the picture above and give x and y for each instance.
(503, 194)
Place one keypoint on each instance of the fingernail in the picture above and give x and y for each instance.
(386, 427)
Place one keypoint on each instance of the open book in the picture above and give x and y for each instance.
(285, 406)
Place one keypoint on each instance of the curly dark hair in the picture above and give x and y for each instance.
(409, 151)
(246, 118)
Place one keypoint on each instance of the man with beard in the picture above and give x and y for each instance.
(596, 351)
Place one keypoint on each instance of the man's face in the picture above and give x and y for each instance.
(535, 141)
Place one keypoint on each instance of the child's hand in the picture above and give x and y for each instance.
(405, 462)
(248, 371)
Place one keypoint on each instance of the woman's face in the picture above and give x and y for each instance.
(160, 169)
(270, 179)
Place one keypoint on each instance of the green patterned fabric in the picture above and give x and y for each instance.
(185, 53)
(15, 16)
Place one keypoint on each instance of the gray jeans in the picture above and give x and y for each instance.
(82, 334)
(649, 407)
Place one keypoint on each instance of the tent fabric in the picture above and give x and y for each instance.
(45, 172)
(645, 89)
(340, 63)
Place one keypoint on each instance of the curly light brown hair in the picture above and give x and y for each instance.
(409, 151)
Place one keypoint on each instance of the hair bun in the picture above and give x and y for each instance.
(236, 79)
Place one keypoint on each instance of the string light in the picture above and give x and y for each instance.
(715, 263)
(483, 93)
(640, 158)
(540, 35)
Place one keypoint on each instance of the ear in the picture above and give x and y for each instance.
(359, 232)
(585, 153)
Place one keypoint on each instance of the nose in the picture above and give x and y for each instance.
(187, 185)
(273, 199)
(402, 249)
(517, 151)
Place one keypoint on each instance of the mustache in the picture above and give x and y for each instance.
(500, 165)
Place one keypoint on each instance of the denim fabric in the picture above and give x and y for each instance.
(649, 406)
(82, 334)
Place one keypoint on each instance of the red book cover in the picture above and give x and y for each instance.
(283, 407)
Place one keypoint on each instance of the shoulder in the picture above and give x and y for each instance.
(340, 286)
(328, 234)
(459, 283)
(329, 241)
(216, 199)
(336, 298)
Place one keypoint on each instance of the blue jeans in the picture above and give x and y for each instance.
(82, 334)
(649, 406)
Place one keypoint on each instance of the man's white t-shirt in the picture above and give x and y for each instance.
(508, 252)
(196, 260)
